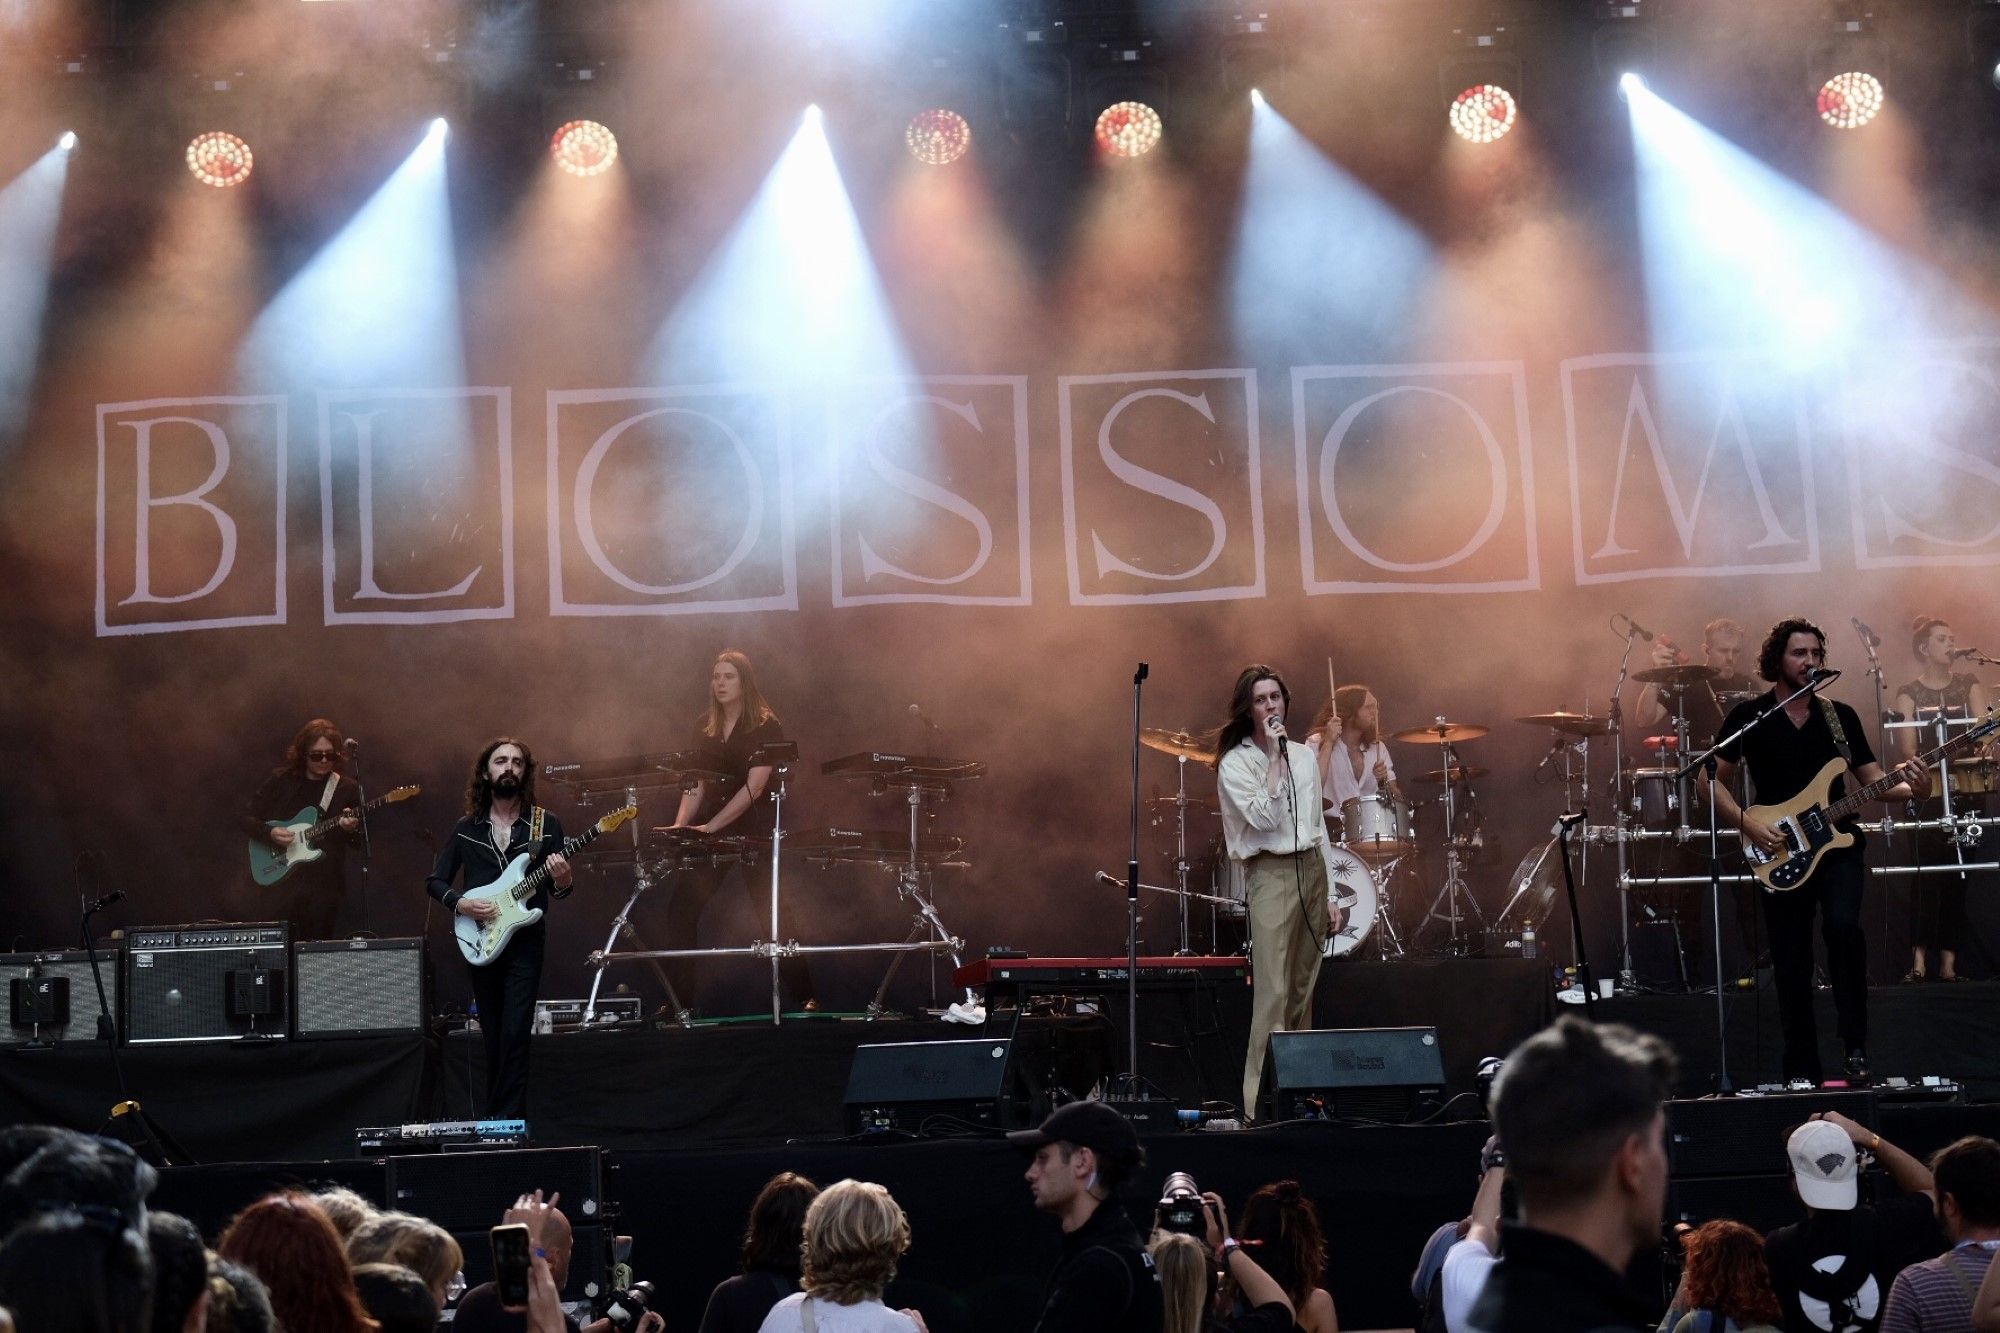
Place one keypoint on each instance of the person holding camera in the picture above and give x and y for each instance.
(1105, 1281)
(1209, 1281)
(551, 1243)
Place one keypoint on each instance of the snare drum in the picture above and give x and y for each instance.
(1350, 895)
(1657, 799)
(1377, 826)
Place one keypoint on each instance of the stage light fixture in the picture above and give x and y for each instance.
(1850, 100)
(220, 159)
(1483, 114)
(938, 137)
(68, 141)
(1629, 83)
(1128, 129)
(584, 148)
(1256, 98)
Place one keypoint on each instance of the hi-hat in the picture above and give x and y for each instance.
(1181, 744)
(1576, 724)
(1441, 732)
(1689, 673)
(1456, 773)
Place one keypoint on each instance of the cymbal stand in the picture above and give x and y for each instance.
(1386, 934)
(1620, 817)
(1455, 893)
(779, 771)
(642, 880)
(912, 882)
(1181, 855)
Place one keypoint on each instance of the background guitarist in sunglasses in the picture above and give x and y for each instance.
(310, 894)
(1784, 755)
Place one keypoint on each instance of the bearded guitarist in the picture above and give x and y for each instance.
(501, 821)
(312, 778)
(1785, 754)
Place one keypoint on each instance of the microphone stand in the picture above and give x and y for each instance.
(1706, 761)
(146, 1138)
(1564, 823)
(1869, 640)
(1132, 1086)
(361, 812)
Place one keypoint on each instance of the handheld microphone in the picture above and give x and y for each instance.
(1868, 636)
(115, 896)
(1274, 726)
(1957, 653)
(1634, 627)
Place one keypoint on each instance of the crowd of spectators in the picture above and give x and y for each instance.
(1572, 1188)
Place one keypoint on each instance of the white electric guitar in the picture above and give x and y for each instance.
(482, 941)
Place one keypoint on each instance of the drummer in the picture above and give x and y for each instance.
(1353, 761)
(1937, 902)
(1722, 651)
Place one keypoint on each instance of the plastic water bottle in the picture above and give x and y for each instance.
(472, 1017)
(1529, 947)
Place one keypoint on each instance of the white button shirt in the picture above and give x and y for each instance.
(1341, 785)
(1253, 821)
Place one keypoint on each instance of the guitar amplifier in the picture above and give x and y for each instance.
(73, 967)
(206, 983)
(357, 988)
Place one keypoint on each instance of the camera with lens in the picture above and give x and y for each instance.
(625, 1308)
(1181, 1207)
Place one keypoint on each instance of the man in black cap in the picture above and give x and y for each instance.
(1105, 1281)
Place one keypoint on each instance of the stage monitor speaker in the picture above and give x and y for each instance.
(182, 983)
(1745, 1136)
(901, 1085)
(466, 1193)
(358, 988)
(1394, 1074)
(80, 1023)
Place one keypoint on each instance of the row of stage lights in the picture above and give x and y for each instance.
(1482, 114)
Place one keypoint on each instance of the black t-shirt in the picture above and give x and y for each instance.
(1545, 1283)
(731, 755)
(739, 1304)
(1104, 1282)
(1784, 758)
(1884, 1239)
(1272, 1318)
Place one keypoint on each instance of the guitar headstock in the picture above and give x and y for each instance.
(401, 794)
(617, 819)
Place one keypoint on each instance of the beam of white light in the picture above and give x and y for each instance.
(1322, 269)
(68, 141)
(30, 207)
(1737, 255)
(378, 306)
(792, 294)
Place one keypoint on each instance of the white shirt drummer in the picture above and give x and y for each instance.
(1337, 747)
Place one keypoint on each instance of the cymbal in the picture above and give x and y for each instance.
(1441, 733)
(1575, 724)
(1182, 744)
(1208, 805)
(1690, 673)
(1456, 773)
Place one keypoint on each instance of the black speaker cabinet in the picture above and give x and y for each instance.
(206, 983)
(1366, 1073)
(41, 969)
(900, 1085)
(1745, 1136)
(357, 988)
(466, 1193)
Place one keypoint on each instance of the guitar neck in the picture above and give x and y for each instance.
(326, 825)
(534, 880)
(1854, 800)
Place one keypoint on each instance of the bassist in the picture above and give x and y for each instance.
(501, 821)
(1784, 755)
(311, 779)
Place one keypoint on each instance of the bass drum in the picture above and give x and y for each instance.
(1351, 896)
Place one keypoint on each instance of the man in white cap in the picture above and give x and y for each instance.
(1832, 1271)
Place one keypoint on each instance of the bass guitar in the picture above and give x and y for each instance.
(482, 941)
(269, 864)
(1809, 821)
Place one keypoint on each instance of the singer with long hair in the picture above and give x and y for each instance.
(1785, 755)
(1273, 824)
(1937, 902)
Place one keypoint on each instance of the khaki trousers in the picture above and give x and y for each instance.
(1288, 919)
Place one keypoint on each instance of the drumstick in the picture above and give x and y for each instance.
(1331, 688)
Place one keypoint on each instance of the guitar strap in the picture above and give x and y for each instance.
(326, 797)
(1833, 725)
(535, 823)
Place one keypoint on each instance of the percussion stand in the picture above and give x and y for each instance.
(1449, 897)
(911, 880)
(642, 880)
(1386, 934)
(779, 770)
(1181, 854)
(1615, 713)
